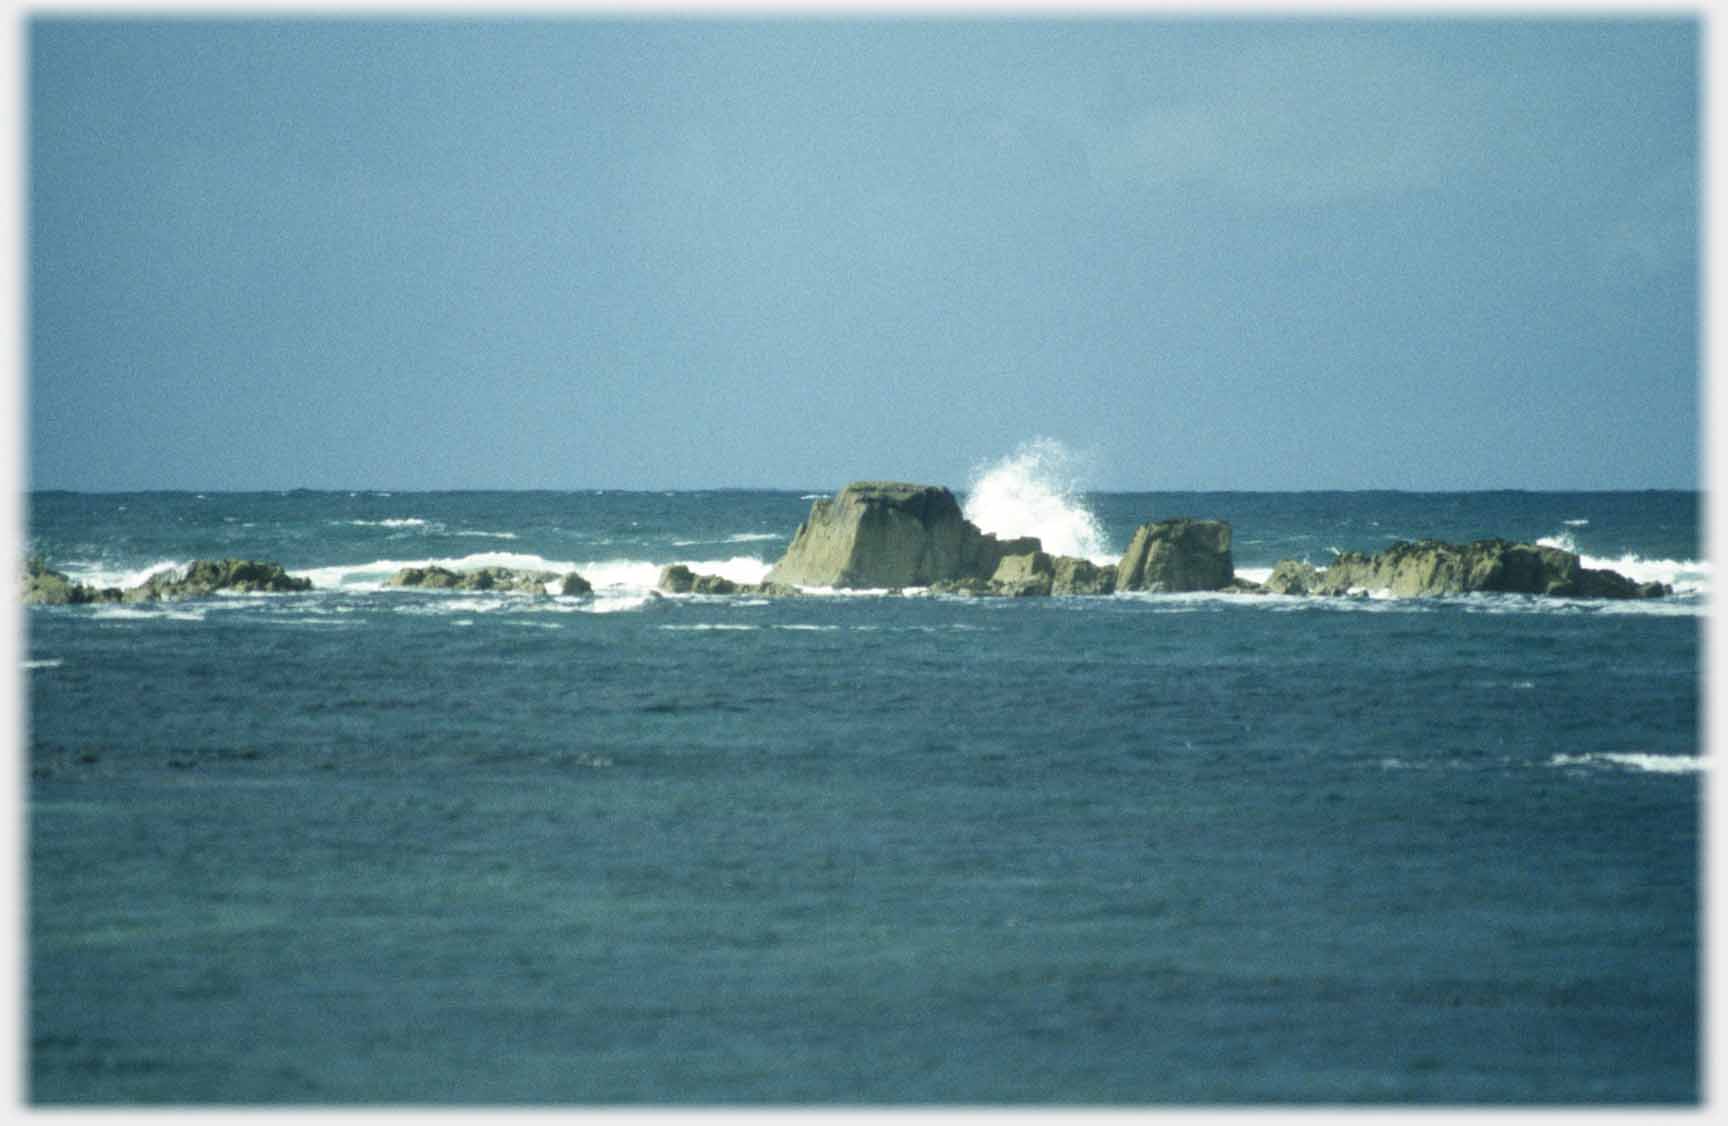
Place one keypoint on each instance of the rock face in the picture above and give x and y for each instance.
(204, 577)
(500, 579)
(1428, 568)
(890, 534)
(1177, 555)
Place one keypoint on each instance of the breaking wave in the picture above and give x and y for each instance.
(1034, 491)
(1686, 576)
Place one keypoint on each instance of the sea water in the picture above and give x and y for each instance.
(372, 845)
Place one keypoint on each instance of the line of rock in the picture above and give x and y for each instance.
(204, 577)
(200, 578)
(893, 535)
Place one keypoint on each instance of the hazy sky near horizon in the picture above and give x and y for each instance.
(1225, 253)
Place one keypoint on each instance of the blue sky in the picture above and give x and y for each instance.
(677, 253)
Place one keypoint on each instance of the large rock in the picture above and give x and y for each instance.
(1430, 568)
(1177, 555)
(1081, 576)
(1021, 576)
(203, 577)
(890, 534)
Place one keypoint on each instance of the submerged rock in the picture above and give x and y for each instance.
(1177, 555)
(203, 577)
(1430, 568)
(891, 534)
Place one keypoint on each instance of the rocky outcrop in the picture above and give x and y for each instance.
(1177, 555)
(1430, 568)
(43, 587)
(502, 580)
(199, 579)
(891, 534)
(204, 577)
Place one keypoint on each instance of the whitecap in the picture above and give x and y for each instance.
(102, 577)
(48, 663)
(489, 535)
(129, 613)
(1650, 763)
(713, 626)
(392, 522)
(1575, 523)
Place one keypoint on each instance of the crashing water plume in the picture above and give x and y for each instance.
(1034, 491)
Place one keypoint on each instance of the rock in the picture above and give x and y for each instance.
(1177, 555)
(675, 578)
(1292, 576)
(205, 577)
(1021, 576)
(891, 534)
(1240, 585)
(1081, 576)
(1431, 568)
(967, 588)
(43, 587)
(502, 580)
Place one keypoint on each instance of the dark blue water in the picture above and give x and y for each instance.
(366, 845)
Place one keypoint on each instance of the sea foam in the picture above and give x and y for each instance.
(1034, 492)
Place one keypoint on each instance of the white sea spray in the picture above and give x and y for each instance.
(1034, 491)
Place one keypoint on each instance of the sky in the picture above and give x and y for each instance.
(789, 252)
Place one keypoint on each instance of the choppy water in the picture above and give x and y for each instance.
(370, 845)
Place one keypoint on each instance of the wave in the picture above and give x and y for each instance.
(1686, 576)
(1653, 764)
(130, 613)
(737, 537)
(49, 663)
(102, 576)
(1033, 492)
(392, 522)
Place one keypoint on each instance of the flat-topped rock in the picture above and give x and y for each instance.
(1430, 568)
(887, 534)
(504, 580)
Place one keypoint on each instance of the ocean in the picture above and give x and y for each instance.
(367, 845)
